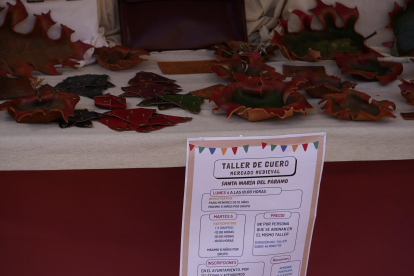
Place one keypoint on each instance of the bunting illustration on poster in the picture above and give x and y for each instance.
(265, 146)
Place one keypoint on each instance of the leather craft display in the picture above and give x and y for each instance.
(160, 25)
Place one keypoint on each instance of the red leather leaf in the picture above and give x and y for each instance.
(355, 105)
(51, 107)
(114, 123)
(256, 102)
(135, 116)
(20, 54)
(147, 90)
(110, 101)
(319, 83)
(148, 76)
(119, 57)
(367, 67)
(161, 119)
(239, 70)
(12, 88)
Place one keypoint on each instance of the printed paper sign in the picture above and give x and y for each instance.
(250, 205)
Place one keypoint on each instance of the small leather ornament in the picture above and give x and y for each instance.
(110, 102)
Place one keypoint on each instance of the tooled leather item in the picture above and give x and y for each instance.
(110, 101)
(186, 67)
(161, 25)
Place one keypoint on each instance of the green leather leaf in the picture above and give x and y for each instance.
(313, 45)
(402, 22)
(189, 102)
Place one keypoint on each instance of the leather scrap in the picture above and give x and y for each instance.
(290, 70)
(208, 91)
(81, 118)
(148, 76)
(186, 67)
(110, 101)
(135, 116)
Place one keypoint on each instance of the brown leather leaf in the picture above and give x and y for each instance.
(355, 105)
(20, 54)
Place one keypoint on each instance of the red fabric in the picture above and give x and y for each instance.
(105, 222)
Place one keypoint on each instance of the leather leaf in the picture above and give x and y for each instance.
(119, 57)
(355, 105)
(189, 102)
(20, 54)
(256, 102)
(313, 45)
(245, 51)
(81, 118)
(85, 85)
(52, 106)
(319, 83)
(239, 70)
(12, 88)
(140, 119)
(110, 101)
(407, 91)
(368, 67)
(401, 21)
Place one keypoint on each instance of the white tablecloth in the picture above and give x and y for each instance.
(47, 147)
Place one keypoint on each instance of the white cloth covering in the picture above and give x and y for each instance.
(81, 16)
(47, 147)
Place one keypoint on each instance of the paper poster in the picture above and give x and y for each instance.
(250, 205)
